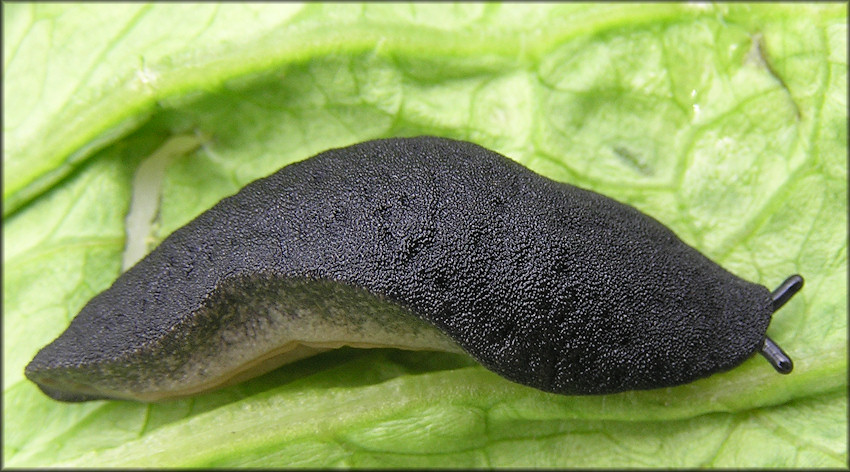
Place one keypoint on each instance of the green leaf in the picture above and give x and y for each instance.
(725, 122)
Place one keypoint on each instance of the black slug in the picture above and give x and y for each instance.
(416, 243)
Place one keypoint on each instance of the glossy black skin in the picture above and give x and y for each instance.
(546, 284)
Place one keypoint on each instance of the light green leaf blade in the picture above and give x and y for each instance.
(727, 123)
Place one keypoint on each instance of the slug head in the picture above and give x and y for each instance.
(640, 353)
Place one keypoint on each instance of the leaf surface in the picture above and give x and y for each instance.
(725, 122)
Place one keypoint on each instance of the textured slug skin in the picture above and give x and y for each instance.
(420, 243)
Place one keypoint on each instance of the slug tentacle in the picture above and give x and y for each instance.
(785, 291)
(776, 356)
(770, 350)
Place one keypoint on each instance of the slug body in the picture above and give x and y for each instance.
(419, 243)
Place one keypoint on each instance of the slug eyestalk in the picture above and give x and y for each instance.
(770, 350)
